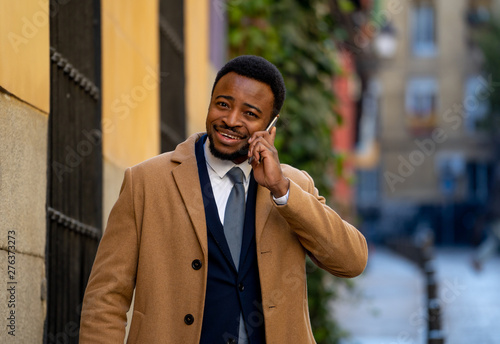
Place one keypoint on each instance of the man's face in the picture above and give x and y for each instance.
(239, 107)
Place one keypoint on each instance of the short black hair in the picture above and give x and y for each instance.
(260, 69)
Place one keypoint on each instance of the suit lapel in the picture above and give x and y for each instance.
(213, 222)
(249, 229)
(187, 179)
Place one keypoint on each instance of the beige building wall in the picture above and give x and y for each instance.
(452, 61)
(419, 181)
(24, 107)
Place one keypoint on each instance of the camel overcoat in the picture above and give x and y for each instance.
(156, 238)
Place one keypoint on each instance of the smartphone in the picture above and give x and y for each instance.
(268, 129)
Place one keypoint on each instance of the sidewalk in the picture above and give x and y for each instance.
(389, 308)
(470, 300)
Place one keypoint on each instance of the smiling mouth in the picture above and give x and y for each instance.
(229, 136)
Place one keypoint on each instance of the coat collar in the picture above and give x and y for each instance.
(186, 177)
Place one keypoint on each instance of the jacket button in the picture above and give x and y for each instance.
(231, 341)
(189, 319)
(241, 287)
(196, 264)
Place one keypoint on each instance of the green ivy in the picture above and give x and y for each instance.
(297, 36)
(488, 38)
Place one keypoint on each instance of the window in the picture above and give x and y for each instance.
(478, 181)
(421, 97)
(478, 12)
(476, 103)
(367, 187)
(423, 29)
(421, 103)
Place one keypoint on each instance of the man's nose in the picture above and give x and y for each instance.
(233, 119)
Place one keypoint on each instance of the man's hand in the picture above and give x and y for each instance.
(266, 164)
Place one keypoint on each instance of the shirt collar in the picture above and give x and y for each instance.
(221, 167)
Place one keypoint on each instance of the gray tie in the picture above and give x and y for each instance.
(234, 219)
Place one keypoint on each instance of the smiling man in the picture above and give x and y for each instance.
(214, 246)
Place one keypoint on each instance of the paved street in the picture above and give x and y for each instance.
(389, 305)
(388, 308)
(471, 300)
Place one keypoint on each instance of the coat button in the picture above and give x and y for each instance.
(196, 264)
(231, 341)
(241, 287)
(189, 319)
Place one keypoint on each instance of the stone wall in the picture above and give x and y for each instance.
(24, 108)
(23, 161)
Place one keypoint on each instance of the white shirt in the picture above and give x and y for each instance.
(222, 184)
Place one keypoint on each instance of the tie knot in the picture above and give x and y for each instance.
(236, 175)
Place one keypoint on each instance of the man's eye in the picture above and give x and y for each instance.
(250, 113)
(223, 104)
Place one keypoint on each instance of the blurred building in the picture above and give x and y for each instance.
(425, 156)
(87, 88)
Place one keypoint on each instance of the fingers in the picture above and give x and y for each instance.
(265, 161)
(269, 136)
(261, 145)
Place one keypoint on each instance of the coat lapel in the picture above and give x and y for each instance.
(187, 180)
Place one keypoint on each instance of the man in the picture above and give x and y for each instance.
(216, 254)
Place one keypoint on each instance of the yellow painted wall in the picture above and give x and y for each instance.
(130, 83)
(24, 51)
(198, 73)
(130, 91)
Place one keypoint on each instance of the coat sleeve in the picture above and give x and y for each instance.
(112, 280)
(332, 243)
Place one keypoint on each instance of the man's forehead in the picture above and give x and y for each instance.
(240, 80)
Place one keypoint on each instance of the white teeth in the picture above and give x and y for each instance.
(230, 136)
